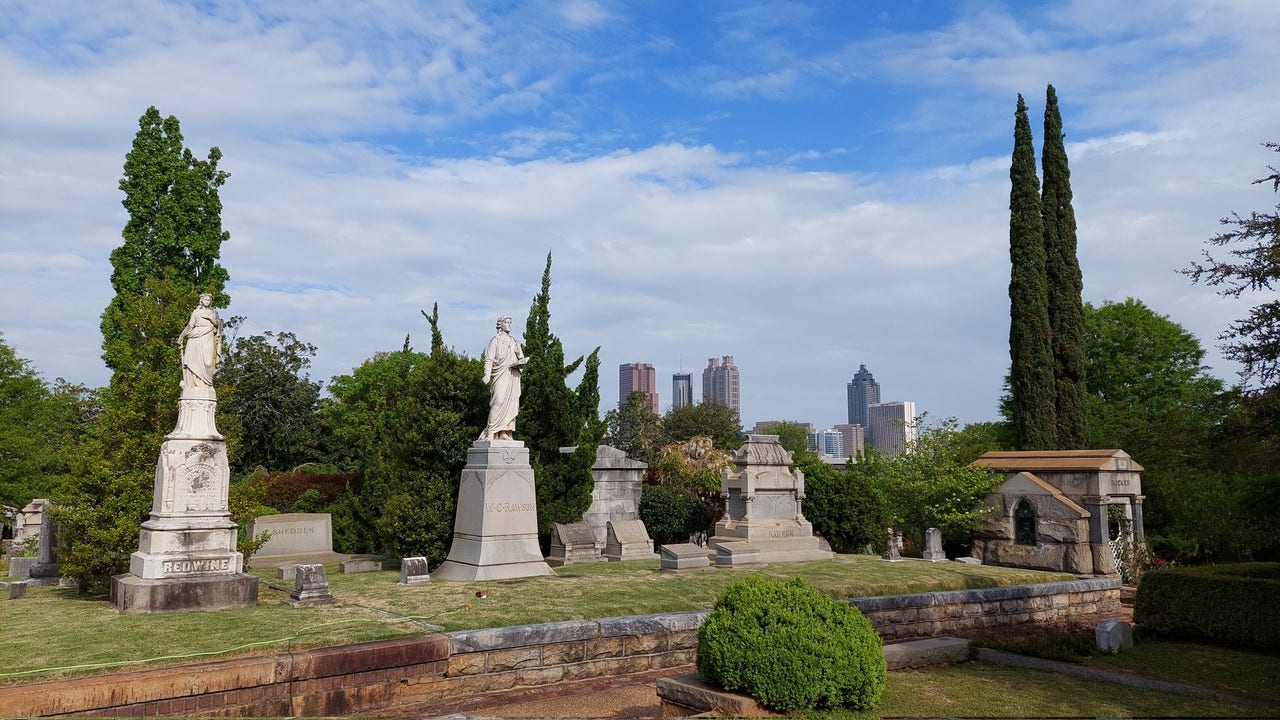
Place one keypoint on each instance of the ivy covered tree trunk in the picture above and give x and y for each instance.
(553, 415)
(169, 256)
(1066, 307)
(1031, 381)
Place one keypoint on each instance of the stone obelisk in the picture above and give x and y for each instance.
(187, 557)
(495, 531)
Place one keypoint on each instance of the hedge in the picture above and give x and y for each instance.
(1237, 604)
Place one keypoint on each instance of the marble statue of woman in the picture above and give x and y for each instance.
(503, 360)
(203, 335)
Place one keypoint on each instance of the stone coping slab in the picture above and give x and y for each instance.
(995, 594)
(465, 641)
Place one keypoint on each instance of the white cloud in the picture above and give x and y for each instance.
(344, 227)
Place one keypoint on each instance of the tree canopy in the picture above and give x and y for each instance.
(1031, 378)
(709, 419)
(1251, 265)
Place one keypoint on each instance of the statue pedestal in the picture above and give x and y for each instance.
(495, 530)
(187, 557)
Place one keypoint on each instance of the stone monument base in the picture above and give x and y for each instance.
(130, 593)
(774, 549)
(495, 532)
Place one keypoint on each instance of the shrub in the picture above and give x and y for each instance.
(791, 647)
(672, 514)
(1236, 604)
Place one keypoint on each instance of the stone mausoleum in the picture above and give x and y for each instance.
(1055, 509)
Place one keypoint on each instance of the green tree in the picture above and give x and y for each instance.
(684, 501)
(709, 419)
(554, 416)
(170, 252)
(1065, 283)
(932, 485)
(635, 429)
(846, 506)
(1031, 382)
(263, 384)
(40, 428)
(1251, 265)
(403, 421)
(792, 436)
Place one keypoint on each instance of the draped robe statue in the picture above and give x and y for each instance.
(203, 335)
(503, 360)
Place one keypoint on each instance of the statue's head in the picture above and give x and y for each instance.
(206, 299)
(504, 323)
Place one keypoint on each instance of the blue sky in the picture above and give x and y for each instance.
(806, 186)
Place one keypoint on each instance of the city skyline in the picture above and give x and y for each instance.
(705, 175)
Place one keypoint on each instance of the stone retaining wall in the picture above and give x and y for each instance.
(438, 670)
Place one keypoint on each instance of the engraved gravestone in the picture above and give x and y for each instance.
(573, 543)
(679, 557)
(413, 571)
(763, 507)
(294, 538)
(310, 586)
(933, 546)
(187, 557)
(628, 540)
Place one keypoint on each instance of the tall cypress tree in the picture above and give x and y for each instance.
(1066, 307)
(169, 256)
(1030, 354)
(553, 415)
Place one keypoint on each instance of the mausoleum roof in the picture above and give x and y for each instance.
(1058, 460)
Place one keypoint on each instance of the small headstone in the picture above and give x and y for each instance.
(737, 554)
(20, 567)
(286, 572)
(684, 556)
(17, 589)
(969, 560)
(413, 571)
(1113, 636)
(933, 546)
(360, 565)
(892, 551)
(628, 540)
(573, 543)
(310, 586)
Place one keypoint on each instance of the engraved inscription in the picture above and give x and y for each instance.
(503, 507)
(189, 567)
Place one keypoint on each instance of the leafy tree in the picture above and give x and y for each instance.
(932, 485)
(708, 419)
(1252, 265)
(685, 500)
(792, 436)
(170, 252)
(1031, 381)
(845, 507)
(553, 416)
(39, 429)
(1065, 283)
(405, 420)
(264, 385)
(635, 429)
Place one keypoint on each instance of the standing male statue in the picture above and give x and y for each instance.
(503, 360)
(203, 334)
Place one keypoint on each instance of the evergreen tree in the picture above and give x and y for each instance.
(1031, 383)
(1066, 308)
(172, 241)
(552, 416)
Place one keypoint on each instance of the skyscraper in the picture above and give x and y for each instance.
(828, 442)
(721, 383)
(854, 438)
(893, 426)
(863, 391)
(681, 390)
(638, 377)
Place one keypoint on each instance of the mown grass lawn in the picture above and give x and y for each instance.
(52, 628)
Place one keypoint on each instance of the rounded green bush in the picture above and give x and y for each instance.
(791, 647)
